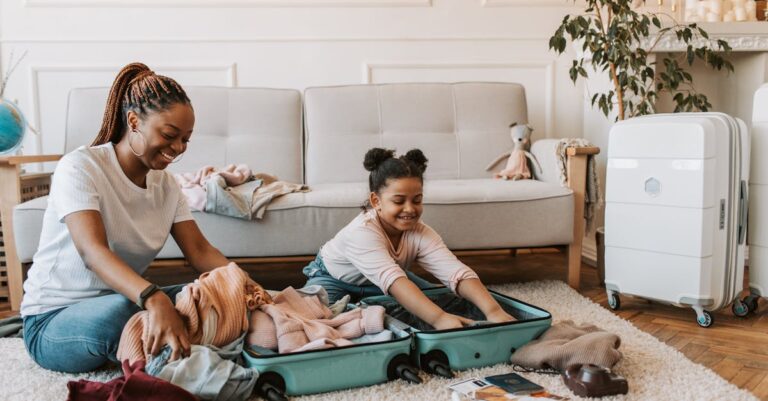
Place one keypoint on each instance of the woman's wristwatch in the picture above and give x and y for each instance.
(151, 289)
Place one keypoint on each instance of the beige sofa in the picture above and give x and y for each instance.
(321, 140)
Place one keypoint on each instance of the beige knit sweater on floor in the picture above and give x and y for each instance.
(566, 344)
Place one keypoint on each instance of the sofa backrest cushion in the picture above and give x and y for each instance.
(256, 126)
(460, 127)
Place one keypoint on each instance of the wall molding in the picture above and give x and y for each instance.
(547, 65)
(225, 3)
(265, 39)
(529, 3)
(754, 42)
(35, 70)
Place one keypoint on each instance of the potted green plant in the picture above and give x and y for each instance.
(617, 38)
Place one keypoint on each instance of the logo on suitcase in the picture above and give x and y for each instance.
(652, 187)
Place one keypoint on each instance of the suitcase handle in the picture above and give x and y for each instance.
(743, 205)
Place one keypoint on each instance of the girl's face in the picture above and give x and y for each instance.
(165, 135)
(398, 204)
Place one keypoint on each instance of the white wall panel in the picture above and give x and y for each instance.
(284, 44)
(226, 3)
(315, 19)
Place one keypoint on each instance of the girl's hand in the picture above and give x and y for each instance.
(165, 327)
(499, 316)
(449, 321)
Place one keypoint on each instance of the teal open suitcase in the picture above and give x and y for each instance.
(323, 370)
(436, 352)
(439, 352)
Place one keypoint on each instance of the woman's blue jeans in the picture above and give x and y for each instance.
(317, 274)
(83, 336)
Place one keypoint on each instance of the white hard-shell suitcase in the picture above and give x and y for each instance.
(676, 211)
(757, 237)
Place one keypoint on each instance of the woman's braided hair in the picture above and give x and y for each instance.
(138, 89)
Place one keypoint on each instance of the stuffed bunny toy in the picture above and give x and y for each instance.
(517, 164)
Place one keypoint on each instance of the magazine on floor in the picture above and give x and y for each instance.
(515, 388)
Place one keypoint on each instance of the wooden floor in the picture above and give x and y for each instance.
(735, 348)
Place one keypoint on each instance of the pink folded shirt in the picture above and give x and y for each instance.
(295, 323)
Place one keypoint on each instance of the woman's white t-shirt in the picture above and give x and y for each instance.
(137, 223)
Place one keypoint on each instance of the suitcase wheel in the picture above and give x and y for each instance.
(751, 302)
(436, 362)
(740, 308)
(400, 368)
(271, 387)
(705, 319)
(614, 302)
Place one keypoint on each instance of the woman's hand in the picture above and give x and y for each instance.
(473, 290)
(498, 315)
(447, 321)
(165, 327)
(414, 301)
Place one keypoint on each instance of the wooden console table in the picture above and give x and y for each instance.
(16, 188)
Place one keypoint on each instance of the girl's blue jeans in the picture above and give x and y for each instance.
(317, 274)
(83, 336)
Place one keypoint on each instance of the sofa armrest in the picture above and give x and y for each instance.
(576, 168)
(545, 151)
(14, 189)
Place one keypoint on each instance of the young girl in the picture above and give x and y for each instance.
(373, 253)
(110, 211)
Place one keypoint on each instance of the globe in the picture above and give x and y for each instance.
(12, 127)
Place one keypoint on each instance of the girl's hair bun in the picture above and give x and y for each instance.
(416, 156)
(376, 156)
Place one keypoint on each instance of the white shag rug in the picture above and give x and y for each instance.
(654, 370)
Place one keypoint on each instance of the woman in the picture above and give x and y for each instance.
(110, 210)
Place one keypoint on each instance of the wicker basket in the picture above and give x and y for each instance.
(32, 186)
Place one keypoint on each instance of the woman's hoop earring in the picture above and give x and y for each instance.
(137, 154)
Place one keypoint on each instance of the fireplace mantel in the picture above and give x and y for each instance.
(741, 36)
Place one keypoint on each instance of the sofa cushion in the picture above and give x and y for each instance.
(257, 126)
(460, 127)
(296, 229)
(27, 225)
(468, 214)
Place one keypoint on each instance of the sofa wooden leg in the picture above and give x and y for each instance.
(574, 265)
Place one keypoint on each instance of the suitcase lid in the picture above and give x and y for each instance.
(694, 138)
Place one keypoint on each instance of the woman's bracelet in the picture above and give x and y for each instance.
(151, 289)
